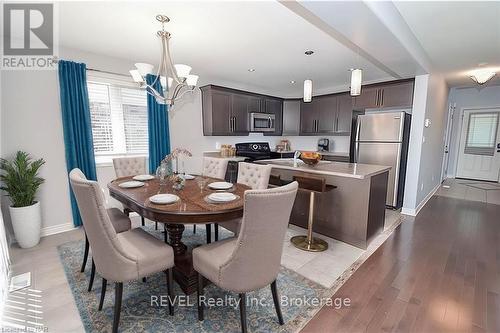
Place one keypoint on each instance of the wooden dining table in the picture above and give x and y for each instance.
(193, 207)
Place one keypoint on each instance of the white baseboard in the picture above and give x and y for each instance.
(56, 229)
(415, 211)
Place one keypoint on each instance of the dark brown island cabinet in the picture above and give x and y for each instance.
(226, 111)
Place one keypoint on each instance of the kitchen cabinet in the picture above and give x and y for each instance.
(329, 114)
(226, 112)
(291, 117)
(308, 118)
(344, 114)
(387, 95)
(397, 95)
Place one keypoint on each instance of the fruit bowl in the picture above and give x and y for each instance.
(310, 158)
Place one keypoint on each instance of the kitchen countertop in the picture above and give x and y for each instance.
(341, 169)
(328, 153)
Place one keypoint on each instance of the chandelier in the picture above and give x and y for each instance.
(175, 80)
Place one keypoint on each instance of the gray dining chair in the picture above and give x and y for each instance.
(119, 257)
(131, 166)
(251, 260)
(254, 175)
(215, 168)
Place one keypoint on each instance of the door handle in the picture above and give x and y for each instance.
(382, 97)
(230, 124)
(377, 97)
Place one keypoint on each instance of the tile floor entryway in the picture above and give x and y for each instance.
(472, 190)
(48, 305)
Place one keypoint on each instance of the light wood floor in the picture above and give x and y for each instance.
(438, 273)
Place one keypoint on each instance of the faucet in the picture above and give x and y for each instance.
(295, 157)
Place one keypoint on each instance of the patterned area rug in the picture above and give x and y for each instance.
(142, 310)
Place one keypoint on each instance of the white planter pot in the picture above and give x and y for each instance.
(26, 222)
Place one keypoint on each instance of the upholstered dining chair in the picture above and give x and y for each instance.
(251, 174)
(216, 168)
(119, 257)
(131, 166)
(120, 222)
(251, 260)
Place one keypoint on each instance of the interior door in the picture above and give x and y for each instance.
(386, 154)
(479, 154)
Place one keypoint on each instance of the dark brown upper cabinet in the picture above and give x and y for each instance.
(326, 115)
(386, 95)
(226, 112)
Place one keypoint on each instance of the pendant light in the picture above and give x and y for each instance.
(482, 75)
(356, 79)
(308, 86)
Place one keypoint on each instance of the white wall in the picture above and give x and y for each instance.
(425, 155)
(474, 97)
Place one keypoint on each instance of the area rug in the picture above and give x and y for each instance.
(142, 309)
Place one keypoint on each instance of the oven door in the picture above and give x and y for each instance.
(262, 122)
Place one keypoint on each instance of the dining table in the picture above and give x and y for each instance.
(193, 207)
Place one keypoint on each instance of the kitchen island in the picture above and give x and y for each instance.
(354, 212)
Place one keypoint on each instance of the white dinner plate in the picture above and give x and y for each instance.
(222, 197)
(187, 177)
(131, 184)
(220, 185)
(164, 199)
(143, 177)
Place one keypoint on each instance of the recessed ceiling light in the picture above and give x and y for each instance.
(308, 52)
(292, 82)
(251, 70)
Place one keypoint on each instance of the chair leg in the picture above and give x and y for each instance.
(209, 233)
(103, 293)
(144, 279)
(216, 231)
(165, 233)
(243, 312)
(156, 225)
(118, 305)
(170, 289)
(85, 254)
(274, 291)
(200, 293)
(194, 228)
(143, 223)
(92, 275)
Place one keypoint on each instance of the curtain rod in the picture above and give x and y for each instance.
(55, 60)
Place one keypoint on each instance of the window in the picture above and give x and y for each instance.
(481, 134)
(119, 119)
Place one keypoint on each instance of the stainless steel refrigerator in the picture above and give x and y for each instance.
(382, 139)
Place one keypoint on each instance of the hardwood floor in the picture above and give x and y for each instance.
(436, 273)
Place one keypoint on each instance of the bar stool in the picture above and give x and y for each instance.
(314, 186)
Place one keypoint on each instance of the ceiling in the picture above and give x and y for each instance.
(457, 36)
(221, 40)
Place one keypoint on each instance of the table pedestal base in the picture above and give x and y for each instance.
(184, 273)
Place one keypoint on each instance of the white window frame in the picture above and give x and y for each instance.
(117, 120)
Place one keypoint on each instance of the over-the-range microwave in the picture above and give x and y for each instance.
(262, 122)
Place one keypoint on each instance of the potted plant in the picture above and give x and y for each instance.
(21, 182)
